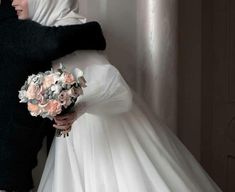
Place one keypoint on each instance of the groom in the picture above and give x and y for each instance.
(25, 48)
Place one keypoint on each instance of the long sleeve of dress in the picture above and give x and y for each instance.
(41, 43)
(106, 93)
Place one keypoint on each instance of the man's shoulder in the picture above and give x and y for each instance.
(14, 22)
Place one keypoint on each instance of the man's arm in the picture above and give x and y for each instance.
(48, 43)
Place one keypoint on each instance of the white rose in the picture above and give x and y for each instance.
(56, 89)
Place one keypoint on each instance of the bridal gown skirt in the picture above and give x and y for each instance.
(122, 153)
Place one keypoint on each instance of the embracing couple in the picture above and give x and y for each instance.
(27, 47)
(115, 144)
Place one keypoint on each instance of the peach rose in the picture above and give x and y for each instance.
(53, 107)
(32, 91)
(34, 109)
(49, 80)
(68, 78)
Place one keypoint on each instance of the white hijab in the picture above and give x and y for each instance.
(55, 12)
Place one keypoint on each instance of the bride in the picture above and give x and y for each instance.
(113, 145)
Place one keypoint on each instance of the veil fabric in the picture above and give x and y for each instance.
(55, 12)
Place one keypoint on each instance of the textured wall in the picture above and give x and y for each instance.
(141, 38)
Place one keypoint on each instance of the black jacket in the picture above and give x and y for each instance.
(25, 48)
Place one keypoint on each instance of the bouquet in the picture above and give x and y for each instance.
(50, 93)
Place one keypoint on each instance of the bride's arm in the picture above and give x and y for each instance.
(107, 93)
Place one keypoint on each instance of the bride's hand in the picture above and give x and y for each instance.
(65, 122)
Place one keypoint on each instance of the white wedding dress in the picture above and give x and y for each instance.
(114, 146)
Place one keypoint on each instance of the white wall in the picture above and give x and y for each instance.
(141, 37)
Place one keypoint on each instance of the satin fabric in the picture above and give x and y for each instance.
(116, 146)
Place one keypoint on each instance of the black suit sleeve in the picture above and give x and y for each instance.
(43, 43)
